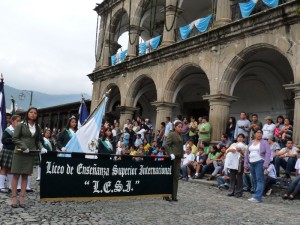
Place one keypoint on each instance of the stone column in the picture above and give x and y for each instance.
(171, 15)
(133, 41)
(126, 112)
(163, 109)
(101, 36)
(223, 12)
(296, 128)
(110, 48)
(218, 113)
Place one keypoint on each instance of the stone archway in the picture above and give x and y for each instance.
(256, 76)
(185, 88)
(141, 94)
(112, 106)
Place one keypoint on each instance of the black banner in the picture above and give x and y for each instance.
(79, 178)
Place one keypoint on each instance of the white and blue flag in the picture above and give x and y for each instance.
(85, 140)
(83, 113)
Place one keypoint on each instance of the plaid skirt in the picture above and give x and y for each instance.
(6, 156)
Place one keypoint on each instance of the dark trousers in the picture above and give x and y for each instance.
(269, 182)
(236, 182)
(206, 168)
(294, 187)
(194, 138)
(177, 163)
(287, 165)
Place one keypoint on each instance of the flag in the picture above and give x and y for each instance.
(85, 140)
(2, 110)
(13, 106)
(83, 113)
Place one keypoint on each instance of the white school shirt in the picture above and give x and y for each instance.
(272, 171)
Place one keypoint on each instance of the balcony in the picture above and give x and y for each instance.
(258, 22)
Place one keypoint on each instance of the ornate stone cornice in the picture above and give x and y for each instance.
(164, 104)
(292, 87)
(220, 99)
(127, 109)
(261, 22)
(103, 7)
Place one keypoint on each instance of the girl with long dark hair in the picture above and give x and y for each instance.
(27, 141)
(67, 133)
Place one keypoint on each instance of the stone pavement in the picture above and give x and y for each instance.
(198, 203)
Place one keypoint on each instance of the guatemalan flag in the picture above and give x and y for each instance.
(83, 113)
(85, 140)
(2, 110)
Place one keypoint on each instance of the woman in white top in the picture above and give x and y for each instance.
(257, 157)
(269, 128)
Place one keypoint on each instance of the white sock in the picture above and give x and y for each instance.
(196, 174)
(28, 183)
(2, 181)
(39, 173)
(19, 182)
(189, 175)
(9, 177)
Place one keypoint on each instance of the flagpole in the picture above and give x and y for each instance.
(90, 116)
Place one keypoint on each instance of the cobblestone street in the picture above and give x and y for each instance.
(199, 203)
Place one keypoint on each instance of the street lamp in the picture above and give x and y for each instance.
(22, 96)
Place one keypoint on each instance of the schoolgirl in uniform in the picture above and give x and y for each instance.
(7, 153)
(67, 133)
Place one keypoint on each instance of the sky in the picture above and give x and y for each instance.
(48, 45)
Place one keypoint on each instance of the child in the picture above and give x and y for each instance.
(270, 178)
(161, 152)
(154, 153)
(138, 141)
(223, 181)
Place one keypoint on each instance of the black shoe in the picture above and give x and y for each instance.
(238, 195)
(29, 190)
(167, 199)
(185, 179)
(221, 187)
(285, 197)
(174, 199)
(230, 194)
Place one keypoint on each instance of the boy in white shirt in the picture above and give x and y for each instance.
(188, 160)
(270, 179)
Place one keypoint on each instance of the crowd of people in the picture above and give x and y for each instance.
(248, 157)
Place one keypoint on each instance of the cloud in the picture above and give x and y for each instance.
(48, 46)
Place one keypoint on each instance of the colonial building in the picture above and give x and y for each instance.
(56, 117)
(234, 64)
